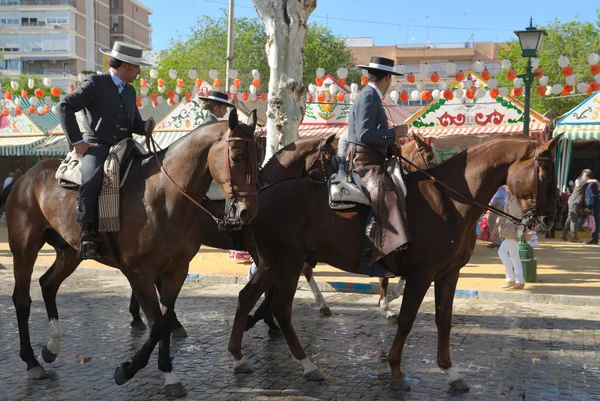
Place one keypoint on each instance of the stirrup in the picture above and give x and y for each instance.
(375, 270)
(89, 250)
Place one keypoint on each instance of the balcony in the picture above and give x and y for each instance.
(38, 23)
(46, 71)
(9, 3)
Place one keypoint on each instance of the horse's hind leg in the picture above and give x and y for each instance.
(263, 312)
(285, 288)
(383, 298)
(25, 249)
(134, 309)
(307, 270)
(444, 298)
(177, 329)
(411, 301)
(65, 264)
(171, 284)
(145, 292)
(249, 295)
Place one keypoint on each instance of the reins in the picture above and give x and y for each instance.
(471, 201)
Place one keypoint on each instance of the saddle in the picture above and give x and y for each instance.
(68, 173)
(116, 170)
(347, 191)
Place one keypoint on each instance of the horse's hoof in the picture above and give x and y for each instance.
(37, 373)
(275, 333)
(459, 385)
(242, 366)
(179, 332)
(391, 315)
(48, 356)
(175, 390)
(400, 384)
(314, 376)
(120, 376)
(138, 324)
(325, 311)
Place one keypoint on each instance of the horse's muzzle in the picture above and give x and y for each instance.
(245, 216)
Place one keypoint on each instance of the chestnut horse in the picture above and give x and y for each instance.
(159, 233)
(295, 221)
(418, 152)
(306, 158)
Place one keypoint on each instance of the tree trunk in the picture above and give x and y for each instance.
(286, 25)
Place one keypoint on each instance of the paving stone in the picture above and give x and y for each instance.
(505, 351)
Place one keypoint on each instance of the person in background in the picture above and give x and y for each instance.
(497, 202)
(509, 247)
(216, 103)
(9, 180)
(592, 204)
(575, 203)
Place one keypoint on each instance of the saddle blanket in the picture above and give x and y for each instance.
(116, 170)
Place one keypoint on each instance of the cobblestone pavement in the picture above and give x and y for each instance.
(504, 351)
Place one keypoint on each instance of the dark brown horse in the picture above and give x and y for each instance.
(295, 221)
(307, 158)
(159, 233)
(420, 153)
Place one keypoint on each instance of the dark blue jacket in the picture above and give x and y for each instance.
(592, 200)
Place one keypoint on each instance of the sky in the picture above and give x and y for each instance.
(389, 22)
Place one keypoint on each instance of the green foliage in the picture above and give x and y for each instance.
(573, 39)
(205, 48)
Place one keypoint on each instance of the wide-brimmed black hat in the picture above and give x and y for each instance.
(127, 53)
(380, 64)
(217, 96)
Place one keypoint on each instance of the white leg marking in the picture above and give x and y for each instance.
(384, 305)
(453, 374)
(170, 378)
(56, 333)
(317, 293)
(397, 291)
(307, 365)
(239, 363)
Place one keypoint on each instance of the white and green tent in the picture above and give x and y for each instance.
(580, 124)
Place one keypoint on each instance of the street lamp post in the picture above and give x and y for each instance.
(530, 40)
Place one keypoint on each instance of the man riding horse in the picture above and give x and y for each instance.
(111, 115)
(369, 143)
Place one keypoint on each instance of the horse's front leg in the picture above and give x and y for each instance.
(444, 298)
(416, 289)
(171, 284)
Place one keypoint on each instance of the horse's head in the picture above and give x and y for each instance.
(318, 162)
(533, 183)
(425, 151)
(238, 177)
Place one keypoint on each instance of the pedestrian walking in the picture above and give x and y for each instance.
(509, 247)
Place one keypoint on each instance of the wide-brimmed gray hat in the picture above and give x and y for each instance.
(217, 96)
(127, 53)
(380, 64)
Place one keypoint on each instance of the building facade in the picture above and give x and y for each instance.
(60, 38)
(413, 57)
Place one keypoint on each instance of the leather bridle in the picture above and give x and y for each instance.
(321, 159)
(230, 220)
(529, 214)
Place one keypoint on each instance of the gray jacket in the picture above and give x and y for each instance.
(210, 118)
(99, 98)
(368, 124)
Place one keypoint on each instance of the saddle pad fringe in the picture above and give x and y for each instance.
(109, 202)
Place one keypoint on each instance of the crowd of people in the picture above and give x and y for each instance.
(578, 209)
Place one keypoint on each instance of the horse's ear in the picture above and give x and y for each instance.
(420, 140)
(233, 119)
(330, 139)
(252, 120)
(551, 144)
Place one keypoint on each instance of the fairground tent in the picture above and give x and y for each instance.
(580, 124)
(451, 126)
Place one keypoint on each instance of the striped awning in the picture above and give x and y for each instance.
(55, 145)
(536, 130)
(578, 132)
(313, 131)
(19, 145)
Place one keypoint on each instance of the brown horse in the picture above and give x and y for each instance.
(306, 158)
(420, 153)
(159, 233)
(295, 222)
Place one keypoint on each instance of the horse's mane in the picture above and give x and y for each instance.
(287, 147)
(461, 157)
